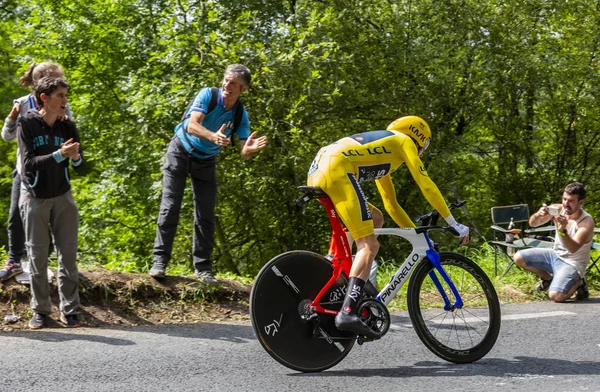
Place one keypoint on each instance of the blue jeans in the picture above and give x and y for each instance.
(203, 175)
(564, 275)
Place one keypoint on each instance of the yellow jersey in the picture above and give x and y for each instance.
(341, 167)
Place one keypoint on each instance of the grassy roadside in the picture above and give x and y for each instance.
(115, 299)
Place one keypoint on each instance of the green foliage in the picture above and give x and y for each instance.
(509, 89)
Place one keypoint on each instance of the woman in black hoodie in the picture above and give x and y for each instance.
(48, 144)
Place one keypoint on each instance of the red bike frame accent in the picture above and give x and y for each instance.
(342, 256)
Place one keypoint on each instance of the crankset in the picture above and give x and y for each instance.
(375, 315)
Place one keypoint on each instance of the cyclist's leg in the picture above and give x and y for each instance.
(353, 208)
(377, 223)
(347, 319)
(367, 248)
(377, 216)
(334, 176)
(355, 211)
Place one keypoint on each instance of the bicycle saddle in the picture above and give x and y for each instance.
(310, 192)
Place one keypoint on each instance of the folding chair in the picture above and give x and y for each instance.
(503, 215)
(593, 261)
(519, 214)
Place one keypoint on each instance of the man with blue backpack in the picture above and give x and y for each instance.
(207, 125)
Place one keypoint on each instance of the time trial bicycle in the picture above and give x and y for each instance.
(452, 304)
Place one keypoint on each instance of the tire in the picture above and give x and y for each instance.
(461, 335)
(280, 294)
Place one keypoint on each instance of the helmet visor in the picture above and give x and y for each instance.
(426, 143)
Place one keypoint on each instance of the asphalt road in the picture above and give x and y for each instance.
(542, 347)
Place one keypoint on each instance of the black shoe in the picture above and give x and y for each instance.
(350, 322)
(70, 320)
(11, 269)
(542, 285)
(158, 270)
(206, 277)
(38, 321)
(582, 291)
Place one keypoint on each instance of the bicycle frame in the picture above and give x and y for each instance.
(422, 247)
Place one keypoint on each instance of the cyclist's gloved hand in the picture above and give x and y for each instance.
(462, 231)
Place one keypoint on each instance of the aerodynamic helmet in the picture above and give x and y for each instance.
(415, 127)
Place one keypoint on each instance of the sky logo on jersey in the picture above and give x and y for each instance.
(373, 172)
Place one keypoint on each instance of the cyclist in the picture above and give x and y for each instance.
(338, 169)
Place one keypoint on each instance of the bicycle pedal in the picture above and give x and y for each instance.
(363, 339)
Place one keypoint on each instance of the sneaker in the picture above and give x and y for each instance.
(10, 269)
(542, 285)
(70, 320)
(206, 277)
(582, 291)
(158, 270)
(352, 323)
(38, 321)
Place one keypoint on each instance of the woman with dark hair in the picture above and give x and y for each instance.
(48, 143)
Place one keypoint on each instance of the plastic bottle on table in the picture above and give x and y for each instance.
(510, 236)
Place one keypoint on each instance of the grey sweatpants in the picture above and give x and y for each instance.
(63, 217)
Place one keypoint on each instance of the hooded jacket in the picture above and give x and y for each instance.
(44, 171)
(9, 129)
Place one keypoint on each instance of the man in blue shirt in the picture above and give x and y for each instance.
(208, 124)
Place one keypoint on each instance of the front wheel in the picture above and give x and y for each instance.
(283, 321)
(463, 334)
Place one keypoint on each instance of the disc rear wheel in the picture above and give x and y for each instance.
(283, 321)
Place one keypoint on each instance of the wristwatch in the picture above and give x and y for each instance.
(562, 233)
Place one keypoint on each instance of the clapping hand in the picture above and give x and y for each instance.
(219, 137)
(254, 144)
(70, 149)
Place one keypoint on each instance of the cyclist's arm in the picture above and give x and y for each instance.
(386, 190)
(428, 188)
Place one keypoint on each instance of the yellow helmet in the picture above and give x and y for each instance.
(414, 127)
